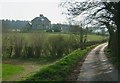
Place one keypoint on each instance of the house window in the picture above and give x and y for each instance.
(42, 19)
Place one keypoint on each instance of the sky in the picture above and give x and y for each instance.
(29, 9)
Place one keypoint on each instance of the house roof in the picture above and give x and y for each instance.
(41, 18)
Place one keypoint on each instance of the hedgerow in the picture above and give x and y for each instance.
(60, 69)
(40, 45)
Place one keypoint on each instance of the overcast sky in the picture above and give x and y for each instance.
(29, 9)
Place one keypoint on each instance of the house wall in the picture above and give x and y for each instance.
(41, 23)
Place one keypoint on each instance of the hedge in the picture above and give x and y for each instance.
(60, 69)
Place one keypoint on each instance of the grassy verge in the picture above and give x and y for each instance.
(9, 69)
(0, 72)
(60, 69)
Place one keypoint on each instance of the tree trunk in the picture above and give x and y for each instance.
(111, 36)
(81, 38)
(117, 51)
(111, 40)
(117, 22)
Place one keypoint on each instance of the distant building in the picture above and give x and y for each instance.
(65, 27)
(41, 22)
(15, 30)
(60, 27)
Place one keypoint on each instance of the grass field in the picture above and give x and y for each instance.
(20, 69)
(9, 69)
(90, 37)
(95, 37)
(0, 72)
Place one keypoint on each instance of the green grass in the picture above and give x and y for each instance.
(28, 35)
(9, 70)
(0, 72)
(95, 37)
(60, 69)
(90, 37)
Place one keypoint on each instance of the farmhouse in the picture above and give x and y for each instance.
(41, 22)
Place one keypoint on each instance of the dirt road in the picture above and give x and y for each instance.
(97, 67)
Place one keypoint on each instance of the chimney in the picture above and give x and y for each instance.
(41, 15)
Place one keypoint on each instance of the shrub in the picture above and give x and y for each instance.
(60, 69)
(17, 45)
(57, 46)
(40, 45)
(6, 46)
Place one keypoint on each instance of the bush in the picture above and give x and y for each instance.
(57, 46)
(17, 45)
(12, 45)
(60, 69)
(6, 46)
(39, 45)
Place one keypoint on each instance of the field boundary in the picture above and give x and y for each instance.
(60, 69)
